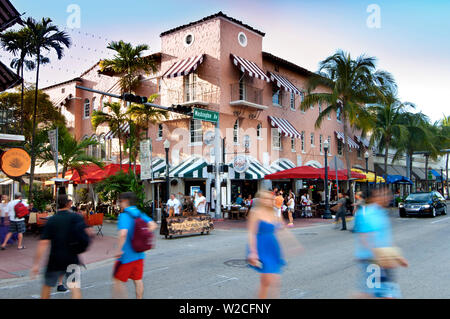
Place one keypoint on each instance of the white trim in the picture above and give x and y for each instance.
(314, 164)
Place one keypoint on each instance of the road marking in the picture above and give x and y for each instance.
(440, 220)
(11, 287)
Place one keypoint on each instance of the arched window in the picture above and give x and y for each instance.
(236, 132)
(87, 108)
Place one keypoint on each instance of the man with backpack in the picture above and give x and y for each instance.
(68, 235)
(17, 210)
(135, 236)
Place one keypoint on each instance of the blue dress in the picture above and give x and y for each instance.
(269, 250)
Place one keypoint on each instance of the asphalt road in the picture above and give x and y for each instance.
(213, 266)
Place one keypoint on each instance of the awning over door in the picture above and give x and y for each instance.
(351, 143)
(284, 127)
(8, 78)
(158, 166)
(281, 165)
(184, 67)
(192, 167)
(284, 83)
(250, 68)
(255, 171)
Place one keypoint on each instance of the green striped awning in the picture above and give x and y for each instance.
(281, 165)
(255, 171)
(193, 167)
(158, 166)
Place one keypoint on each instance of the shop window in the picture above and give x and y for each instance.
(312, 140)
(276, 95)
(160, 131)
(196, 131)
(293, 144)
(292, 102)
(339, 147)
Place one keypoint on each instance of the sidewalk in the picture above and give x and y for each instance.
(228, 224)
(17, 263)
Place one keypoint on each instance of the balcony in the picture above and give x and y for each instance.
(246, 95)
(10, 127)
(196, 94)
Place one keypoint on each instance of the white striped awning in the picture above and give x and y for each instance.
(158, 166)
(281, 165)
(363, 141)
(284, 127)
(255, 171)
(125, 129)
(249, 67)
(192, 167)
(184, 67)
(284, 83)
(351, 143)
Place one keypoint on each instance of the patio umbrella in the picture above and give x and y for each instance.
(301, 172)
(110, 170)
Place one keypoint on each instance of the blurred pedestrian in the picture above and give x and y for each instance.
(68, 236)
(341, 209)
(278, 202)
(375, 253)
(264, 253)
(129, 264)
(291, 209)
(17, 224)
(3, 209)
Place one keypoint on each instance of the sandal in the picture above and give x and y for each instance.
(20, 248)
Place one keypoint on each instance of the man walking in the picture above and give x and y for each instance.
(341, 210)
(130, 264)
(200, 203)
(62, 232)
(17, 225)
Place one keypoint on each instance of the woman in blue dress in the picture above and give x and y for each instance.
(264, 248)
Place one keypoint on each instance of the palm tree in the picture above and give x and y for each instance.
(387, 125)
(128, 63)
(445, 127)
(43, 36)
(354, 83)
(142, 115)
(72, 154)
(113, 119)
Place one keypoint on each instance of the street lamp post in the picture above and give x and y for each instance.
(366, 156)
(327, 214)
(166, 147)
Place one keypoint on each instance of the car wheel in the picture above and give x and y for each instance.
(433, 214)
(402, 215)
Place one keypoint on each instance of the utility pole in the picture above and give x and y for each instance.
(217, 155)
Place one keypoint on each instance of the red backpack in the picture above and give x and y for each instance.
(142, 237)
(21, 210)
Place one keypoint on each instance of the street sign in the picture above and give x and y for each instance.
(206, 115)
(145, 159)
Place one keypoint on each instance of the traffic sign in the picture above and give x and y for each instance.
(206, 115)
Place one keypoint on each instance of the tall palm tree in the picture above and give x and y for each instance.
(354, 83)
(142, 115)
(387, 125)
(128, 63)
(72, 153)
(113, 119)
(43, 37)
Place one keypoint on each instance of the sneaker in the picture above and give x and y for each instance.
(61, 288)
(290, 225)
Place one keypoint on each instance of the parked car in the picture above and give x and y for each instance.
(423, 203)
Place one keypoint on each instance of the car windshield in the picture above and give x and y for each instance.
(423, 197)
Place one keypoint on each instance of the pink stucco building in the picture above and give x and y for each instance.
(218, 63)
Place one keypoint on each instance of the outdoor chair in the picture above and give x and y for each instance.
(96, 220)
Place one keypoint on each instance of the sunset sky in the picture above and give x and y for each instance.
(412, 42)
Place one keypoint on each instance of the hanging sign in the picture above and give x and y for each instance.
(240, 164)
(15, 162)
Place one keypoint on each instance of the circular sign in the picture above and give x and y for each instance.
(15, 162)
(240, 164)
(209, 137)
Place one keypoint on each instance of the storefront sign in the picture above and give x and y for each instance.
(15, 162)
(145, 159)
(206, 115)
(194, 224)
(240, 164)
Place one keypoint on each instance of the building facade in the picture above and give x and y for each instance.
(218, 63)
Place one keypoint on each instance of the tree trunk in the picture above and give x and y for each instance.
(33, 135)
(120, 147)
(21, 102)
(346, 155)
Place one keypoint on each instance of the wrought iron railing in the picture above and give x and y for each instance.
(199, 92)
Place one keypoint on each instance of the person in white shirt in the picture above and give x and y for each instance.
(175, 204)
(17, 225)
(3, 209)
(306, 203)
(200, 203)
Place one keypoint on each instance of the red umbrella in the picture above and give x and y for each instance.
(74, 176)
(306, 172)
(332, 174)
(353, 175)
(110, 170)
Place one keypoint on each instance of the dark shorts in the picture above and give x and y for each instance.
(51, 278)
(133, 270)
(17, 227)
